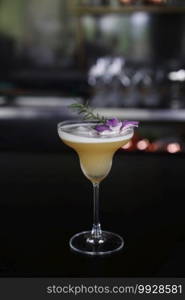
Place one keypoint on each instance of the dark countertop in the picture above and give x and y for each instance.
(45, 199)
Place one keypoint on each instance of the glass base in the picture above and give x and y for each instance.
(85, 243)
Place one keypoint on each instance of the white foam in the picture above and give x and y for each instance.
(84, 133)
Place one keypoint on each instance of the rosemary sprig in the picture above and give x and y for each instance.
(87, 112)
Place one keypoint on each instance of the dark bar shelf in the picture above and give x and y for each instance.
(145, 114)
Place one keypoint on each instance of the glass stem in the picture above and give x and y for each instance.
(96, 229)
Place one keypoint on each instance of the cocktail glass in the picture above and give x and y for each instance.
(95, 155)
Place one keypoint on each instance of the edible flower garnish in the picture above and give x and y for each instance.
(115, 126)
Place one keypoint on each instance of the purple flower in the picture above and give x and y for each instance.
(115, 126)
(101, 128)
(129, 124)
(112, 122)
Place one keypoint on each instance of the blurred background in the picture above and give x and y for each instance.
(127, 58)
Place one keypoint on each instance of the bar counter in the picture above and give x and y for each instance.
(45, 199)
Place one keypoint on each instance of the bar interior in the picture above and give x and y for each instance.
(127, 59)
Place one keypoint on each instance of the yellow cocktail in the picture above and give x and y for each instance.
(95, 152)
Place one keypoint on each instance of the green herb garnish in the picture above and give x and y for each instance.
(87, 112)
